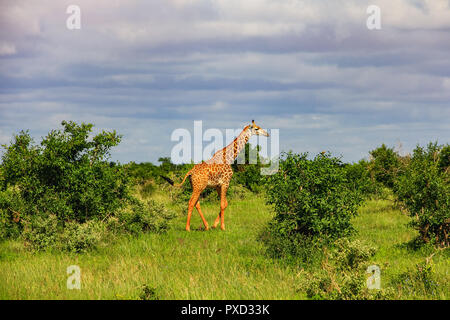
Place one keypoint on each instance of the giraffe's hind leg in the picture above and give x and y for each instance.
(216, 222)
(192, 203)
(222, 191)
(205, 223)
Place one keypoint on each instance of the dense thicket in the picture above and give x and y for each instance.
(67, 174)
(65, 189)
(385, 165)
(424, 190)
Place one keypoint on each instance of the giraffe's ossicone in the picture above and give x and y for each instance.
(216, 173)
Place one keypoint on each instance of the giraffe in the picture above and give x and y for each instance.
(216, 172)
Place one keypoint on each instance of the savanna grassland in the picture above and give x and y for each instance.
(215, 264)
(317, 228)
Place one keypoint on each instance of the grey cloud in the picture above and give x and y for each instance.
(313, 71)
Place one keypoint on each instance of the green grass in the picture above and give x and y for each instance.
(387, 228)
(211, 264)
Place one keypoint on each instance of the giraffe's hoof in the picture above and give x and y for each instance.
(222, 227)
(188, 229)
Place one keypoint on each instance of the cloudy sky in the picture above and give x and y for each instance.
(311, 69)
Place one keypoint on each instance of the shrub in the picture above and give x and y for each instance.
(67, 174)
(143, 216)
(352, 254)
(359, 179)
(249, 176)
(237, 191)
(385, 165)
(140, 173)
(80, 237)
(247, 173)
(64, 194)
(44, 232)
(444, 158)
(312, 198)
(424, 190)
(41, 232)
(342, 275)
(11, 219)
(297, 249)
(419, 282)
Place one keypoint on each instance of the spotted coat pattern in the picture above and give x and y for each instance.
(217, 173)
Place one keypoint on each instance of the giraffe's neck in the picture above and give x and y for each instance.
(230, 152)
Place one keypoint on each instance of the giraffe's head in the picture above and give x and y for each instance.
(258, 130)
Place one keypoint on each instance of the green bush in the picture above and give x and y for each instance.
(41, 232)
(80, 237)
(143, 216)
(66, 174)
(424, 190)
(444, 158)
(44, 232)
(312, 198)
(351, 254)
(249, 174)
(237, 191)
(63, 193)
(385, 165)
(420, 282)
(342, 275)
(296, 249)
(140, 173)
(11, 219)
(359, 179)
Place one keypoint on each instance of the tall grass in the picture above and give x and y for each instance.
(207, 265)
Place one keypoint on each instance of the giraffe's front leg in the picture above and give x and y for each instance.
(205, 223)
(222, 216)
(216, 222)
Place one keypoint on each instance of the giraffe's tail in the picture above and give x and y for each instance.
(179, 184)
(168, 180)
